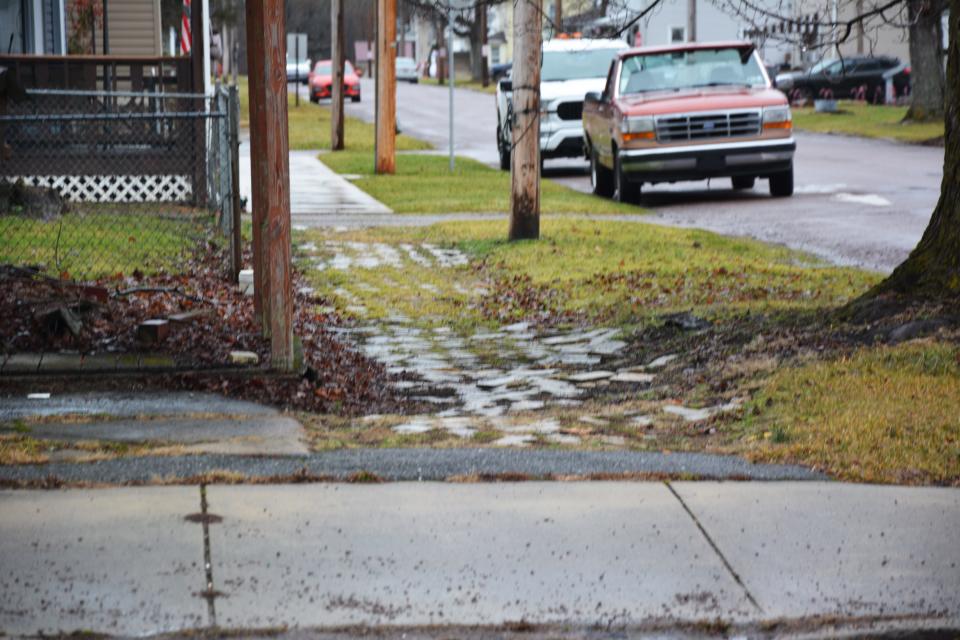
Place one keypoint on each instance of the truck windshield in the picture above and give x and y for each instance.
(677, 70)
(575, 65)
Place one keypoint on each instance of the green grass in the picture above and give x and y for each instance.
(600, 271)
(464, 82)
(871, 121)
(94, 244)
(309, 126)
(889, 414)
(424, 184)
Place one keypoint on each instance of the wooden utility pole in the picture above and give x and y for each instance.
(691, 20)
(258, 171)
(558, 15)
(271, 174)
(484, 45)
(525, 158)
(197, 35)
(336, 54)
(386, 85)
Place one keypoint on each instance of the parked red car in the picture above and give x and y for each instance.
(320, 81)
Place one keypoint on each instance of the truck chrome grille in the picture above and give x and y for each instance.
(570, 110)
(693, 126)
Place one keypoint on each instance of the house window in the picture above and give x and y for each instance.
(678, 34)
(495, 55)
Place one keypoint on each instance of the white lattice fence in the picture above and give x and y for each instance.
(116, 188)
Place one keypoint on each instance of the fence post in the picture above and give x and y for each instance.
(236, 244)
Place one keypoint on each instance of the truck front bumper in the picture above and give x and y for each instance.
(698, 162)
(563, 140)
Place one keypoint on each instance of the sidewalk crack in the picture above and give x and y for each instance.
(736, 577)
(209, 594)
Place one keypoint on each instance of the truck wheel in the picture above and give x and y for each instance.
(743, 182)
(624, 190)
(781, 184)
(600, 178)
(503, 150)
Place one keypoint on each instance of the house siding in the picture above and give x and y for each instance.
(134, 27)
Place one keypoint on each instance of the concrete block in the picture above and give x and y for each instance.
(22, 363)
(61, 362)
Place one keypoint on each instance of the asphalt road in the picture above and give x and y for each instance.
(857, 202)
(409, 465)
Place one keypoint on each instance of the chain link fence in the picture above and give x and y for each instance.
(94, 183)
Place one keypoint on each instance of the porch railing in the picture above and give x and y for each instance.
(103, 73)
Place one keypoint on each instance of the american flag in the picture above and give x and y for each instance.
(186, 40)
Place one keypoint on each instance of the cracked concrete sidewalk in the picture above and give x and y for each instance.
(726, 556)
(197, 423)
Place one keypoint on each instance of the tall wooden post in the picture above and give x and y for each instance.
(525, 158)
(336, 55)
(484, 45)
(691, 20)
(258, 171)
(197, 36)
(272, 178)
(558, 15)
(386, 85)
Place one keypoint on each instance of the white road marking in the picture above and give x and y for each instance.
(871, 199)
(820, 188)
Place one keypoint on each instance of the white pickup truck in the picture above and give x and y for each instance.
(570, 69)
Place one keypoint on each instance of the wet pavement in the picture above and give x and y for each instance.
(606, 556)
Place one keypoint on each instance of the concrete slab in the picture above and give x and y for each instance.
(117, 561)
(100, 362)
(129, 405)
(827, 548)
(22, 363)
(61, 362)
(256, 435)
(425, 553)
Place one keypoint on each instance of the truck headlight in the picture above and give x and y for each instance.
(777, 118)
(637, 128)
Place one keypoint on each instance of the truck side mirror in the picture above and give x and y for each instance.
(506, 85)
(593, 96)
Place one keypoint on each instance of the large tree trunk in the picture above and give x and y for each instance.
(933, 268)
(926, 60)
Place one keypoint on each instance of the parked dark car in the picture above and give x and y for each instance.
(499, 71)
(856, 77)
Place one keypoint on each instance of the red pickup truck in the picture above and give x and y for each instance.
(688, 112)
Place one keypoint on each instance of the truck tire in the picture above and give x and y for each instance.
(503, 151)
(743, 182)
(624, 190)
(781, 184)
(601, 178)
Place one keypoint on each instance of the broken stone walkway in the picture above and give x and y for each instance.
(724, 559)
(490, 380)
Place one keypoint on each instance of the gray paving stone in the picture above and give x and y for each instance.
(662, 361)
(590, 376)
